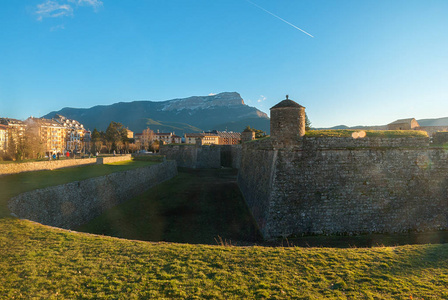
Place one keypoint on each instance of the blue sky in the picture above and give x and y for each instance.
(369, 62)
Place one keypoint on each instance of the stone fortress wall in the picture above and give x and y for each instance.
(334, 185)
(14, 168)
(432, 130)
(203, 156)
(73, 204)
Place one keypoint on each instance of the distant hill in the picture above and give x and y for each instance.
(194, 114)
(422, 122)
(433, 122)
(379, 127)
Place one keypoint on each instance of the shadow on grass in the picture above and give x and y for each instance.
(367, 240)
(196, 206)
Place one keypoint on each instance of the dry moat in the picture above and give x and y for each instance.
(205, 206)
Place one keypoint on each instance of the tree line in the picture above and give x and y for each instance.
(115, 138)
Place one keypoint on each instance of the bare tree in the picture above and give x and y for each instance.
(31, 144)
(147, 138)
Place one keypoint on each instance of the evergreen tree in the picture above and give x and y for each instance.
(116, 136)
(307, 123)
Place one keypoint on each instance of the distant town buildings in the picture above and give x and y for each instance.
(168, 138)
(130, 134)
(52, 134)
(229, 138)
(206, 138)
(57, 135)
(247, 135)
(40, 136)
(412, 124)
(214, 138)
(145, 139)
(74, 133)
(14, 135)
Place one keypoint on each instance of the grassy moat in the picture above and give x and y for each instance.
(42, 262)
(197, 206)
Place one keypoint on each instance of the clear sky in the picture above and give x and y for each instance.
(368, 62)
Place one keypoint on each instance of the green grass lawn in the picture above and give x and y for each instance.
(39, 262)
(42, 262)
(12, 185)
(197, 206)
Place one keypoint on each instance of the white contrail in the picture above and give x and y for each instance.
(279, 18)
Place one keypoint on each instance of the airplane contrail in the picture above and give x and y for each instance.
(279, 18)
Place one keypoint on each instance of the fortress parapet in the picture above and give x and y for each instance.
(287, 122)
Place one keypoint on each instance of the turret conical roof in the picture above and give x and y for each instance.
(287, 103)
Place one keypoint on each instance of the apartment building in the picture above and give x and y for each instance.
(75, 132)
(51, 133)
(15, 131)
(168, 138)
(214, 138)
(207, 138)
(3, 138)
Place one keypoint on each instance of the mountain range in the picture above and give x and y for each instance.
(421, 122)
(224, 111)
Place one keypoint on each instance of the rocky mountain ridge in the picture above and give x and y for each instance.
(223, 111)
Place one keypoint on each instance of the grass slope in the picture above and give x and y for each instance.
(49, 263)
(12, 185)
(369, 133)
(196, 206)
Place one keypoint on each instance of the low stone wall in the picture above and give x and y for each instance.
(203, 157)
(13, 168)
(71, 205)
(113, 159)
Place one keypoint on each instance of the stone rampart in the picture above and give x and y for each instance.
(314, 143)
(73, 204)
(203, 157)
(184, 155)
(440, 138)
(255, 180)
(345, 186)
(231, 156)
(431, 130)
